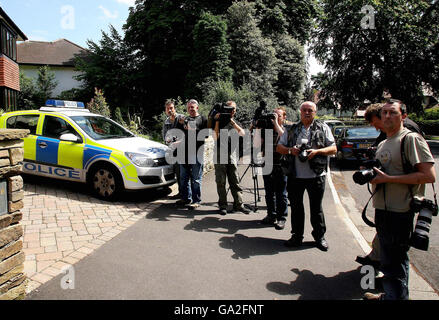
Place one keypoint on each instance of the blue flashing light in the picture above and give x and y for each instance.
(64, 104)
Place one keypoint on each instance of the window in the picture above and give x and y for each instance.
(54, 127)
(8, 43)
(8, 99)
(27, 121)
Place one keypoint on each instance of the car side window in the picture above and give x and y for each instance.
(28, 121)
(54, 127)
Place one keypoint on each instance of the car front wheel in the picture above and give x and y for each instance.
(105, 182)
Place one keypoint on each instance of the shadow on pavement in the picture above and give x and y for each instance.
(215, 224)
(171, 210)
(310, 286)
(245, 247)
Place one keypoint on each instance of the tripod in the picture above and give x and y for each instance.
(257, 197)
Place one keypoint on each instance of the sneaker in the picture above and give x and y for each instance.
(294, 241)
(182, 202)
(222, 211)
(280, 225)
(373, 296)
(269, 219)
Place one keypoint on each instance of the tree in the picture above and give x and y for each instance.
(253, 56)
(290, 66)
(292, 17)
(45, 84)
(98, 104)
(26, 95)
(211, 54)
(111, 66)
(399, 53)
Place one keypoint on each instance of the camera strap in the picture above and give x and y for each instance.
(363, 214)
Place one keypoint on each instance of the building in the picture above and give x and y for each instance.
(58, 55)
(9, 69)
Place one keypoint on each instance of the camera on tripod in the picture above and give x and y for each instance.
(225, 113)
(426, 209)
(366, 175)
(262, 119)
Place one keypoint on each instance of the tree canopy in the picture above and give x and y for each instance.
(182, 48)
(396, 52)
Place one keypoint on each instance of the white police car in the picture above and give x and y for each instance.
(68, 142)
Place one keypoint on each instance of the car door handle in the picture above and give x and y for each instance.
(42, 145)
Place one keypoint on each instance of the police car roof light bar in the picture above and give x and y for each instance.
(64, 104)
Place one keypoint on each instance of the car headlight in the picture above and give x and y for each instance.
(140, 160)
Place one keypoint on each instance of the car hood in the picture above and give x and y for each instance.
(138, 145)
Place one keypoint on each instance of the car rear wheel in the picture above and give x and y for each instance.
(105, 182)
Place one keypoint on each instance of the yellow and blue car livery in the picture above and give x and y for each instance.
(82, 147)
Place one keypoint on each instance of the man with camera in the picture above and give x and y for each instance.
(275, 183)
(191, 167)
(169, 124)
(395, 190)
(373, 117)
(226, 158)
(306, 145)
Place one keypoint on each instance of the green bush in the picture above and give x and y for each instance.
(430, 127)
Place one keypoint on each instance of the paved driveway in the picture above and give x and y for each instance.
(63, 224)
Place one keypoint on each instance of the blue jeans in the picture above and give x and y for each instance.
(275, 185)
(394, 230)
(190, 181)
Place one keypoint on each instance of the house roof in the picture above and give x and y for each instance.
(12, 25)
(57, 53)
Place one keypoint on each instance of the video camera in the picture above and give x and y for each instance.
(366, 175)
(262, 119)
(225, 113)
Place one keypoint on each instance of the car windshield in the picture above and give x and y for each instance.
(363, 132)
(100, 128)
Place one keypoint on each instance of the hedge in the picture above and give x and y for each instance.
(430, 127)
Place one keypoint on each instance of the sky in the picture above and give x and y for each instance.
(76, 21)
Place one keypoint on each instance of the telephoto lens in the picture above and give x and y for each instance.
(427, 209)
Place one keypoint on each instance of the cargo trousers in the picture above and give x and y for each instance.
(224, 173)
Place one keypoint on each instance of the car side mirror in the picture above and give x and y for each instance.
(69, 137)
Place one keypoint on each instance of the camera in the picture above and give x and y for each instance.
(303, 154)
(225, 113)
(366, 175)
(426, 209)
(262, 119)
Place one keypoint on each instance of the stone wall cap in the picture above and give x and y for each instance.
(11, 134)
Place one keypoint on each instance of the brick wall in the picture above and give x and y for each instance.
(9, 73)
(12, 277)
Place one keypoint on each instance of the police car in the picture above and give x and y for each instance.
(67, 141)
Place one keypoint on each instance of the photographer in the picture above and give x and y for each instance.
(275, 183)
(191, 167)
(306, 145)
(395, 190)
(227, 170)
(373, 117)
(171, 123)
